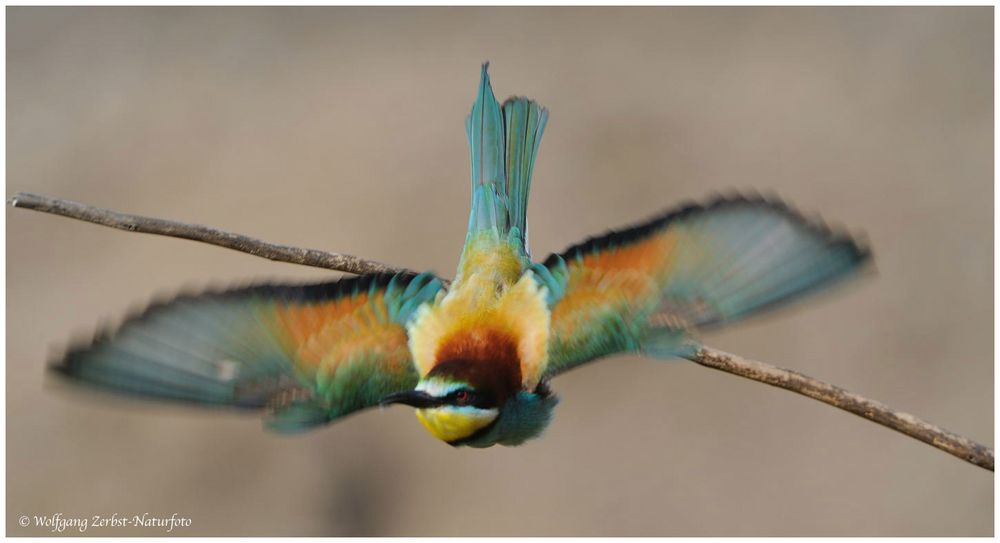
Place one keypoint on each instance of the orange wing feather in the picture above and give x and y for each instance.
(644, 287)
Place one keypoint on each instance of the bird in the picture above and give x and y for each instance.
(474, 357)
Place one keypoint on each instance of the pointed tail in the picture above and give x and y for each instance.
(503, 143)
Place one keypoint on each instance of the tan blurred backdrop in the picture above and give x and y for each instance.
(343, 129)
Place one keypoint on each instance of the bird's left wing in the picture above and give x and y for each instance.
(307, 354)
(644, 288)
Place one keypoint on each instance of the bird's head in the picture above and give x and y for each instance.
(466, 403)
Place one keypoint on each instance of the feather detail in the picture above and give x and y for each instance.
(524, 125)
(476, 311)
(503, 144)
(485, 130)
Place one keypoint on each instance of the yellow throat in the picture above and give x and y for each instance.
(450, 423)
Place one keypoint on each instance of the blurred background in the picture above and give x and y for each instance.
(342, 129)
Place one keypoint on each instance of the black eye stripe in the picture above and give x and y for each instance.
(453, 395)
(482, 400)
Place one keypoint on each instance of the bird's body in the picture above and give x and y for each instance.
(474, 358)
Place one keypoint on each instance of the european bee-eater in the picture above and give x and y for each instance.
(474, 358)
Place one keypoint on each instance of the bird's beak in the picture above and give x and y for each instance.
(413, 398)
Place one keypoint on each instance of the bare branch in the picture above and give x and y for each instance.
(953, 444)
(880, 413)
(206, 234)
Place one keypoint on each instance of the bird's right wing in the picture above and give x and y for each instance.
(644, 288)
(306, 354)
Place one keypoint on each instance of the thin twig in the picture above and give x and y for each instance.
(954, 444)
(206, 234)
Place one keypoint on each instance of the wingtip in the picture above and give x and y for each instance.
(60, 367)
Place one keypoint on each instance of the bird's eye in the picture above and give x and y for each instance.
(463, 397)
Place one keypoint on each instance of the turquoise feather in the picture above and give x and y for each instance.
(524, 417)
(525, 123)
(503, 145)
(485, 130)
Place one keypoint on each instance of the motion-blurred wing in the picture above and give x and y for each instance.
(308, 354)
(643, 288)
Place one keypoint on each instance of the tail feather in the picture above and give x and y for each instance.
(485, 130)
(503, 144)
(525, 123)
